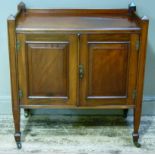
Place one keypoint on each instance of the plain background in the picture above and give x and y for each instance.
(144, 7)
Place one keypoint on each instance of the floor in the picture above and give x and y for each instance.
(77, 134)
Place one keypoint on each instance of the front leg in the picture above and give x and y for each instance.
(14, 79)
(137, 116)
(17, 135)
(135, 139)
(18, 139)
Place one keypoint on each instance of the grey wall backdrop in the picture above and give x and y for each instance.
(144, 7)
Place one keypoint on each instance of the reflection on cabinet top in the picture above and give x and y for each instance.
(78, 20)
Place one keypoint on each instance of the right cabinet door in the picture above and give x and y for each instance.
(107, 70)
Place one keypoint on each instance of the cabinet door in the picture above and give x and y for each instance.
(108, 64)
(47, 69)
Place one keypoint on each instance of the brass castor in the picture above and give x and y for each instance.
(125, 113)
(19, 145)
(138, 145)
(26, 113)
(135, 140)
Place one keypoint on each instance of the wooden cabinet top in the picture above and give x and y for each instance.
(85, 20)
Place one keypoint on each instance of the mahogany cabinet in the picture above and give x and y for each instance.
(77, 59)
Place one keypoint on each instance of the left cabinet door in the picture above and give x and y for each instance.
(47, 68)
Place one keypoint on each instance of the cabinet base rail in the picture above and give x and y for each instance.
(77, 107)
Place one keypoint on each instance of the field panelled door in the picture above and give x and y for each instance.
(109, 67)
(89, 70)
(48, 69)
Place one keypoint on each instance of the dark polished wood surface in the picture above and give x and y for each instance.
(48, 69)
(107, 60)
(48, 59)
(72, 21)
(108, 66)
(77, 59)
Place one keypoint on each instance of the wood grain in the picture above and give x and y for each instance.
(48, 69)
(109, 69)
(45, 71)
(14, 76)
(108, 46)
(30, 21)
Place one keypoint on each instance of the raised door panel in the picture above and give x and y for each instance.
(46, 71)
(109, 70)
